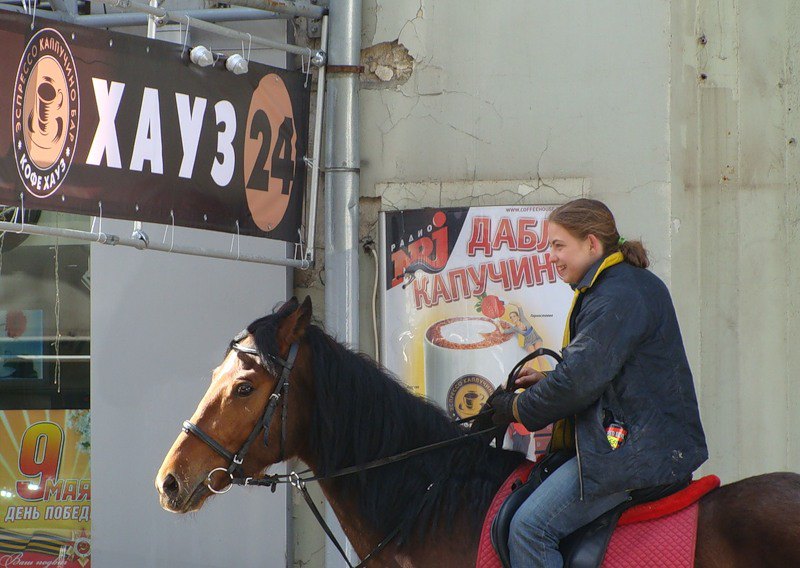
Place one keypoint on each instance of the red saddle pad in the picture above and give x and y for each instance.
(660, 534)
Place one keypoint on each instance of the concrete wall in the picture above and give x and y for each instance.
(535, 90)
(735, 97)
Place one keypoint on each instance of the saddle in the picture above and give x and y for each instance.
(586, 547)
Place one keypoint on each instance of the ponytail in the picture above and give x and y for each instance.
(634, 253)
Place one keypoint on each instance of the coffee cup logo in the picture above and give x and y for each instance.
(45, 114)
(45, 126)
(467, 395)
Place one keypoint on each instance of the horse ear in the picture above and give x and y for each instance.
(298, 321)
(288, 307)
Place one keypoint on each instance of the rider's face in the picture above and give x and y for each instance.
(572, 256)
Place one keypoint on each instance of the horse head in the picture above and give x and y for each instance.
(233, 422)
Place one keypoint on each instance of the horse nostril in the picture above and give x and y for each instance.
(170, 486)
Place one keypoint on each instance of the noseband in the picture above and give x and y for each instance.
(235, 461)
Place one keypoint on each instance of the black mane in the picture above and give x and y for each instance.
(362, 413)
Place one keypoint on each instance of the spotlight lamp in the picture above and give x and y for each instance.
(201, 56)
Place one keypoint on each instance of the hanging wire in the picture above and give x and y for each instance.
(2, 242)
(166, 230)
(185, 37)
(21, 212)
(33, 20)
(305, 69)
(100, 224)
(237, 239)
(172, 240)
(57, 342)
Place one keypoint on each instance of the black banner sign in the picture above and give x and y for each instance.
(91, 119)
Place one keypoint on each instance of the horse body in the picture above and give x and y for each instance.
(344, 410)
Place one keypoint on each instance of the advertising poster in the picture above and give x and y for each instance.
(467, 293)
(45, 488)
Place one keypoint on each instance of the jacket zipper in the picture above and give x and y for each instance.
(578, 455)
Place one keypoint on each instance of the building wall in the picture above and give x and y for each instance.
(534, 91)
(692, 142)
(735, 204)
(160, 324)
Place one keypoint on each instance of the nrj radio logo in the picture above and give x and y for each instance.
(424, 248)
(45, 113)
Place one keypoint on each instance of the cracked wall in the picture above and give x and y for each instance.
(534, 91)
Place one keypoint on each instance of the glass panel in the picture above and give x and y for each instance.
(45, 443)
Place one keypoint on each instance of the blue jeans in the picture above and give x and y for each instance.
(551, 513)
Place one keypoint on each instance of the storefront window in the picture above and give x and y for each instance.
(44, 396)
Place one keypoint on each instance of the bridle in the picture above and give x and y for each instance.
(236, 473)
(234, 469)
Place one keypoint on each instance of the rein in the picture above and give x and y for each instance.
(236, 474)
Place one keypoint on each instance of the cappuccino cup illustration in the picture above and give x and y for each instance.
(466, 358)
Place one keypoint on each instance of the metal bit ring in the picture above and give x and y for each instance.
(211, 487)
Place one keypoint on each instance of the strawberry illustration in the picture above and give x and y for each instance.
(491, 306)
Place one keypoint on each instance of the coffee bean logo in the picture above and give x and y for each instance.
(45, 113)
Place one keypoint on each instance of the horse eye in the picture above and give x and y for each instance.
(244, 389)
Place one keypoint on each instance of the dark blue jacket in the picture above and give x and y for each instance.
(625, 356)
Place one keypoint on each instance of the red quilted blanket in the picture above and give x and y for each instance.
(660, 534)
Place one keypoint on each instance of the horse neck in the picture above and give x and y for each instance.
(450, 546)
(464, 474)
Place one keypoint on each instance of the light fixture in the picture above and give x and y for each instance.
(201, 56)
(236, 64)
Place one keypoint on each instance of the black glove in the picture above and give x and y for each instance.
(483, 421)
(502, 402)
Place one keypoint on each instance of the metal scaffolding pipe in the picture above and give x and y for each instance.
(311, 231)
(316, 57)
(141, 242)
(288, 7)
(342, 173)
(124, 19)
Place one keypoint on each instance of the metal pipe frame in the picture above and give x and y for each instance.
(49, 338)
(342, 182)
(65, 358)
(141, 242)
(139, 19)
(311, 230)
(287, 7)
(315, 57)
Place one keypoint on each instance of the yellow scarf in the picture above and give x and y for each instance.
(564, 429)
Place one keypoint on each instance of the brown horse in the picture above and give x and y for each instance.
(344, 410)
